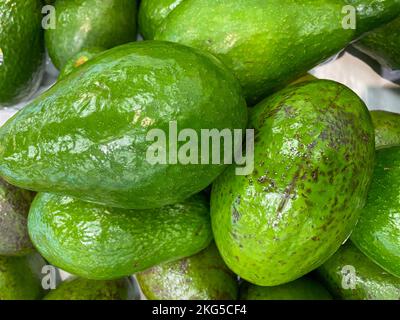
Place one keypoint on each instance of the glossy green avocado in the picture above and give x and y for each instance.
(387, 128)
(103, 243)
(21, 49)
(377, 233)
(267, 44)
(84, 289)
(14, 207)
(83, 24)
(203, 276)
(304, 288)
(350, 275)
(314, 157)
(88, 135)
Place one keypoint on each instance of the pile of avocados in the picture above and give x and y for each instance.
(88, 184)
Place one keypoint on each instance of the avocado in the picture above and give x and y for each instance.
(313, 163)
(21, 49)
(387, 128)
(87, 136)
(104, 243)
(267, 44)
(84, 24)
(304, 288)
(367, 282)
(383, 45)
(14, 208)
(377, 233)
(20, 277)
(203, 276)
(84, 289)
(79, 59)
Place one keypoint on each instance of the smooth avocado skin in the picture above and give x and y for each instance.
(383, 45)
(377, 233)
(203, 276)
(304, 288)
(387, 128)
(55, 143)
(21, 278)
(14, 208)
(21, 52)
(313, 162)
(104, 243)
(260, 40)
(85, 289)
(84, 24)
(370, 283)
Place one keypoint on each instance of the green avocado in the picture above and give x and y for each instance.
(84, 289)
(313, 162)
(14, 208)
(104, 243)
(20, 277)
(78, 60)
(377, 233)
(82, 24)
(301, 289)
(203, 276)
(383, 45)
(267, 44)
(387, 128)
(88, 135)
(21, 49)
(350, 275)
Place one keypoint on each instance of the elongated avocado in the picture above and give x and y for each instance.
(313, 158)
(304, 288)
(203, 276)
(14, 208)
(387, 128)
(350, 275)
(88, 135)
(103, 243)
(377, 233)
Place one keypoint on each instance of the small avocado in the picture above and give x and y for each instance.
(106, 133)
(89, 23)
(267, 44)
(350, 275)
(387, 128)
(21, 49)
(383, 45)
(377, 233)
(20, 277)
(104, 243)
(304, 288)
(84, 289)
(203, 276)
(313, 162)
(14, 208)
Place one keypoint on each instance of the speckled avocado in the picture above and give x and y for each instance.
(313, 162)
(84, 289)
(304, 288)
(203, 276)
(55, 143)
(20, 277)
(103, 243)
(267, 44)
(14, 208)
(368, 281)
(387, 128)
(377, 233)
(21, 49)
(89, 23)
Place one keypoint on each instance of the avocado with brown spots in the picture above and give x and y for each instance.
(203, 276)
(387, 128)
(14, 208)
(313, 161)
